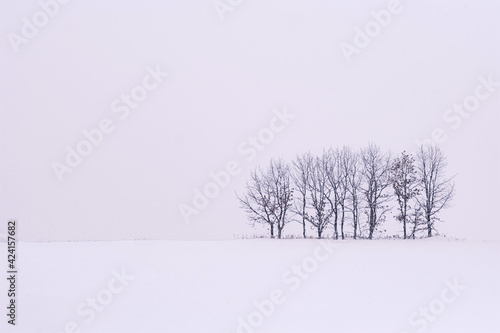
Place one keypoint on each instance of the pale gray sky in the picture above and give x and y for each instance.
(225, 79)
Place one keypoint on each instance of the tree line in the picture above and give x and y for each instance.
(351, 191)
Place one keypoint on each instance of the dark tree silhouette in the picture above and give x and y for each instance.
(438, 190)
(301, 173)
(404, 180)
(375, 172)
(268, 196)
(320, 201)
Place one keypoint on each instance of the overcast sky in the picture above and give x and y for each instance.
(231, 69)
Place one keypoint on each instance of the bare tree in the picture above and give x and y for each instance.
(438, 190)
(351, 166)
(302, 166)
(320, 201)
(338, 168)
(268, 196)
(328, 164)
(375, 172)
(403, 177)
(344, 167)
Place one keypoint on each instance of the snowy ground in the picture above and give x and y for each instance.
(343, 286)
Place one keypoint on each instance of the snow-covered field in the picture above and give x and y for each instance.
(258, 286)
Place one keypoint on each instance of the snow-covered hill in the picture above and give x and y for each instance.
(258, 286)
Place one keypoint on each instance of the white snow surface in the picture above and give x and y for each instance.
(205, 286)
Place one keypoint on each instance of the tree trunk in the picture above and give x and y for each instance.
(429, 226)
(354, 221)
(404, 221)
(342, 224)
(272, 230)
(335, 227)
(303, 218)
(414, 229)
(372, 222)
(319, 232)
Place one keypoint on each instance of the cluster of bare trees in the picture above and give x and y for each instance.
(346, 189)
